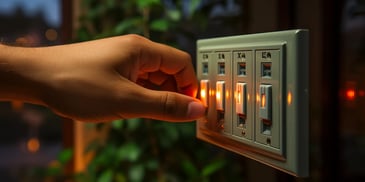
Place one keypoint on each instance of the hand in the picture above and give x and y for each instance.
(97, 80)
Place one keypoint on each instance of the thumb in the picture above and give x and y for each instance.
(169, 106)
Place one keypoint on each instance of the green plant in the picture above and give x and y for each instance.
(147, 150)
(150, 18)
(143, 149)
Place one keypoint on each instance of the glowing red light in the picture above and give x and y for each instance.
(350, 94)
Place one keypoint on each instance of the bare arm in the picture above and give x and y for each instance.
(102, 80)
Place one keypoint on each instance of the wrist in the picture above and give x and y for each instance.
(18, 80)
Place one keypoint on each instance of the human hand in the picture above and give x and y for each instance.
(102, 80)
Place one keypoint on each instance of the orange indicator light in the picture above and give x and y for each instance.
(204, 87)
(289, 98)
(218, 95)
(203, 93)
(238, 98)
(263, 100)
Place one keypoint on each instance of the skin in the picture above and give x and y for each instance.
(102, 80)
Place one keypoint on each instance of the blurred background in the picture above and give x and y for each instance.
(36, 145)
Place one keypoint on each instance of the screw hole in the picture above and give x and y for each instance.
(268, 141)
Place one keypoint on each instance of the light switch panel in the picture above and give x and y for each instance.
(255, 88)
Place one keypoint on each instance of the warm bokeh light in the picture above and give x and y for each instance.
(51, 34)
(350, 94)
(33, 145)
(17, 105)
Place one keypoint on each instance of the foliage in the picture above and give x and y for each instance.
(150, 18)
(142, 149)
(149, 150)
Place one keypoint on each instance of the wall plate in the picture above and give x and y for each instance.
(255, 88)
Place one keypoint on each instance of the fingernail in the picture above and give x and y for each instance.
(195, 110)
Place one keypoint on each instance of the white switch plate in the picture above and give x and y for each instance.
(276, 62)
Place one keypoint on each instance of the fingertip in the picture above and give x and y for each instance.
(195, 110)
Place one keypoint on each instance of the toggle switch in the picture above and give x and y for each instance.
(220, 95)
(241, 98)
(266, 104)
(204, 92)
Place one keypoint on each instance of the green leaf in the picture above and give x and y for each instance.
(127, 24)
(120, 177)
(187, 129)
(152, 164)
(213, 167)
(93, 146)
(83, 34)
(189, 168)
(161, 25)
(133, 124)
(193, 6)
(136, 173)
(168, 134)
(65, 156)
(174, 15)
(147, 3)
(106, 176)
(96, 12)
(117, 124)
(110, 3)
(129, 151)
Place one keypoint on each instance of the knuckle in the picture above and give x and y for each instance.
(135, 39)
(170, 104)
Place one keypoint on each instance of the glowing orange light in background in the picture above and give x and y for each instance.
(350, 94)
(17, 105)
(33, 145)
(51, 34)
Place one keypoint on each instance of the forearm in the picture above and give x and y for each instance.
(97, 80)
(16, 64)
